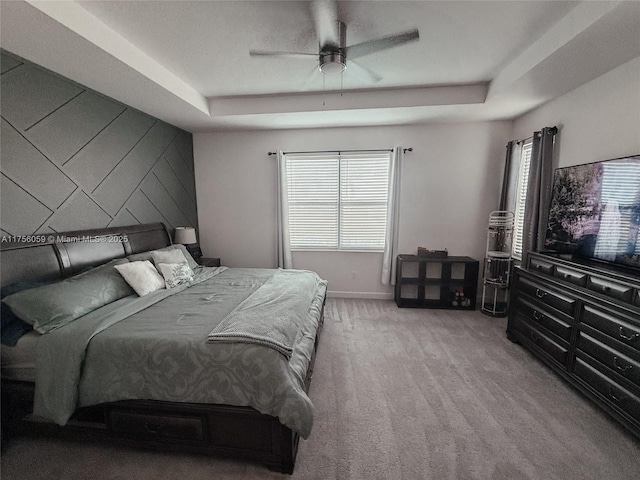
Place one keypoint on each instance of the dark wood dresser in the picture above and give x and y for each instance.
(582, 318)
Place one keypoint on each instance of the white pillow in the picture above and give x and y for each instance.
(168, 256)
(141, 276)
(175, 273)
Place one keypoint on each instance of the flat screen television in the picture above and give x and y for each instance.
(595, 211)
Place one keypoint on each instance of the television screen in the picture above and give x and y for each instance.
(595, 211)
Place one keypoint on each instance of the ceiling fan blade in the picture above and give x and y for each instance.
(264, 53)
(363, 72)
(372, 46)
(325, 21)
(313, 79)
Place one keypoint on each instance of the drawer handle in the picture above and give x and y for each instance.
(540, 293)
(153, 429)
(566, 275)
(621, 332)
(615, 395)
(534, 337)
(537, 316)
(623, 368)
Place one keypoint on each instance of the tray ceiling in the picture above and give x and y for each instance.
(188, 62)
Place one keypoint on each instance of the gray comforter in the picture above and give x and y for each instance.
(156, 348)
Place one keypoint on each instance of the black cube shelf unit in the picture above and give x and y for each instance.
(432, 282)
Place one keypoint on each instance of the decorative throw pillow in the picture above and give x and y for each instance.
(175, 273)
(52, 306)
(141, 276)
(192, 263)
(137, 257)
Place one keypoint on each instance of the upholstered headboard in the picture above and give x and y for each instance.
(59, 255)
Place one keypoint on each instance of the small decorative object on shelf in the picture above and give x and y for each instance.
(497, 264)
(424, 252)
(458, 299)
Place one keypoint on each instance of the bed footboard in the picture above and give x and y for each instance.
(227, 430)
(208, 429)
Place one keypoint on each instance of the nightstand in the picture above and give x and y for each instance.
(209, 262)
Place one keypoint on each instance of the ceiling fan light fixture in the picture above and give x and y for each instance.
(332, 63)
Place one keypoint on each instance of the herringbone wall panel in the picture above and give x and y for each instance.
(73, 159)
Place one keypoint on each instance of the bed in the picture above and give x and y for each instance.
(218, 364)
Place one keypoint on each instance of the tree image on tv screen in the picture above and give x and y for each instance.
(575, 212)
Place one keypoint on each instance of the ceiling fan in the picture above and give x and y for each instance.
(332, 42)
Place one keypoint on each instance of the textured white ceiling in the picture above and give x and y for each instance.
(207, 43)
(188, 61)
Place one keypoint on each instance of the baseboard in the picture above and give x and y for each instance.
(365, 295)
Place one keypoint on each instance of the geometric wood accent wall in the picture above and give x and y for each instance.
(71, 158)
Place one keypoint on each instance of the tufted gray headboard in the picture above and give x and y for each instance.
(59, 255)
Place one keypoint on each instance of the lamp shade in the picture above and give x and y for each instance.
(185, 235)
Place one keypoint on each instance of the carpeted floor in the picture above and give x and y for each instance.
(399, 394)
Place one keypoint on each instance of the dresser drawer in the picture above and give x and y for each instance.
(619, 363)
(612, 325)
(160, 426)
(539, 265)
(544, 318)
(570, 275)
(614, 393)
(541, 341)
(548, 296)
(611, 289)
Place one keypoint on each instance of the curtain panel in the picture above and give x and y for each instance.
(536, 211)
(283, 242)
(510, 178)
(393, 219)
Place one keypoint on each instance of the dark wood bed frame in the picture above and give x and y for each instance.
(213, 429)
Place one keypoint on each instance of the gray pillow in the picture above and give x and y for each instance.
(137, 257)
(52, 306)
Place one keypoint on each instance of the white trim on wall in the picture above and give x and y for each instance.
(363, 295)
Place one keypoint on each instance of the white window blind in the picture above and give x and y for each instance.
(521, 198)
(620, 189)
(338, 201)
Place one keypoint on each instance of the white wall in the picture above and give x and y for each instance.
(598, 121)
(450, 183)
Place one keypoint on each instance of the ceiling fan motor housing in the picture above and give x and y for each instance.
(332, 62)
(332, 57)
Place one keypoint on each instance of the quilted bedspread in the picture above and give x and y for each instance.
(155, 348)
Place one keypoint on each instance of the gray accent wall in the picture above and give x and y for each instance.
(71, 158)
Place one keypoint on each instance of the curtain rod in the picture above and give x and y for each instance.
(404, 150)
(552, 130)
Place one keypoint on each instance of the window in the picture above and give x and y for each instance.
(338, 201)
(619, 193)
(521, 198)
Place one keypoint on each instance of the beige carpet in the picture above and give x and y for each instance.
(399, 394)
